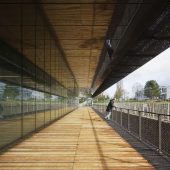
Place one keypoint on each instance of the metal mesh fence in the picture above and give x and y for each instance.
(118, 117)
(152, 128)
(165, 135)
(125, 120)
(114, 115)
(134, 124)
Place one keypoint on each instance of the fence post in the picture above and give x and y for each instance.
(168, 111)
(113, 113)
(121, 117)
(140, 123)
(153, 107)
(159, 133)
(128, 121)
(11, 109)
(116, 114)
(27, 108)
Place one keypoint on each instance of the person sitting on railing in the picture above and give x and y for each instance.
(109, 109)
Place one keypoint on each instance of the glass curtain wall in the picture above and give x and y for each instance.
(36, 86)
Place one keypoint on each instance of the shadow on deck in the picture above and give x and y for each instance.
(158, 161)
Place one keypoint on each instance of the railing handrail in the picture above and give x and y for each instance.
(143, 128)
(159, 114)
(143, 111)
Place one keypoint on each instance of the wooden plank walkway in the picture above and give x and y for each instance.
(79, 141)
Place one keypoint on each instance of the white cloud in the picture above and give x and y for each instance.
(156, 69)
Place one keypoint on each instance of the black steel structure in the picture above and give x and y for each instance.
(138, 32)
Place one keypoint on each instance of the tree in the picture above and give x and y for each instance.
(119, 90)
(84, 95)
(151, 89)
(101, 98)
(118, 93)
(125, 94)
(11, 92)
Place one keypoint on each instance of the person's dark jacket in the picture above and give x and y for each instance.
(109, 106)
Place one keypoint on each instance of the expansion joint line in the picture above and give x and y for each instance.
(77, 144)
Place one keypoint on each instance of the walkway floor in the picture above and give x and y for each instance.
(79, 141)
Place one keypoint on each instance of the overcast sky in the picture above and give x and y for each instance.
(156, 69)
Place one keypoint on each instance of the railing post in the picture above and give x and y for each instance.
(116, 114)
(27, 107)
(112, 114)
(159, 133)
(168, 112)
(140, 123)
(11, 109)
(128, 121)
(121, 117)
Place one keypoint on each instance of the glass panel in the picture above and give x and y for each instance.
(34, 77)
(29, 76)
(39, 109)
(47, 83)
(10, 112)
(47, 107)
(53, 107)
(29, 109)
(40, 62)
(10, 81)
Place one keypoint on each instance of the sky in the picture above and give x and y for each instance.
(156, 69)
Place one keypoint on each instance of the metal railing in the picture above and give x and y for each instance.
(10, 110)
(156, 107)
(15, 126)
(149, 127)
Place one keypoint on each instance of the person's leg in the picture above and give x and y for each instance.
(109, 115)
(106, 117)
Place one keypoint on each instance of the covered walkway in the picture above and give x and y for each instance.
(54, 54)
(80, 140)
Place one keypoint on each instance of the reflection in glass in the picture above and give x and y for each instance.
(36, 85)
(10, 113)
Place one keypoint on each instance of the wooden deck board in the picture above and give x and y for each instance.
(79, 141)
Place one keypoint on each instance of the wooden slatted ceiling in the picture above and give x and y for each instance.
(79, 141)
(81, 27)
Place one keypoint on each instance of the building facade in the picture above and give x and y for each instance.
(165, 92)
